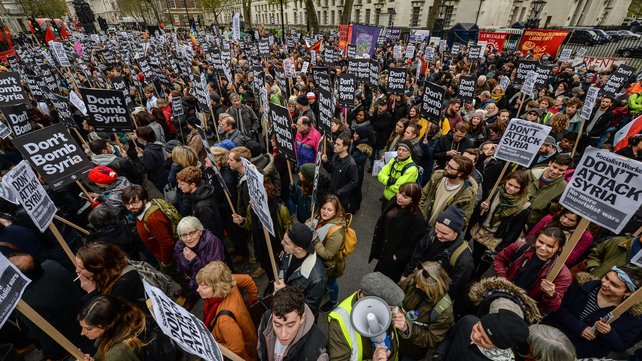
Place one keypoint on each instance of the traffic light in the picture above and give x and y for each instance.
(35, 25)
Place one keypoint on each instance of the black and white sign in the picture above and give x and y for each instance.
(177, 106)
(54, 154)
(17, 118)
(397, 80)
(281, 125)
(432, 102)
(606, 188)
(581, 52)
(258, 197)
(326, 110)
(466, 89)
(443, 45)
(430, 54)
(529, 82)
(64, 110)
(77, 102)
(396, 52)
(352, 51)
(12, 286)
(589, 102)
(566, 55)
(118, 83)
(4, 131)
(475, 52)
(107, 109)
(543, 71)
(618, 79)
(347, 84)
(454, 51)
(321, 77)
(11, 91)
(146, 68)
(410, 51)
(37, 92)
(202, 94)
(374, 72)
(59, 52)
(33, 197)
(504, 81)
(187, 330)
(264, 48)
(521, 141)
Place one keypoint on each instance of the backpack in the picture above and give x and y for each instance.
(349, 240)
(168, 210)
(151, 275)
(458, 251)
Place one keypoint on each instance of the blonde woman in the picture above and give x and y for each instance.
(427, 311)
(225, 313)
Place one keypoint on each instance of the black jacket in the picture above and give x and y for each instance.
(309, 278)
(344, 177)
(602, 123)
(153, 160)
(204, 206)
(382, 125)
(457, 345)
(446, 143)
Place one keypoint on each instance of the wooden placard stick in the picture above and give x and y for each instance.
(82, 140)
(521, 103)
(62, 242)
(44, 325)
(638, 232)
(568, 248)
(624, 306)
(84, 190)
(579, 135)
(275, 270)
(497, 183)
(290, 171)
(71, 224)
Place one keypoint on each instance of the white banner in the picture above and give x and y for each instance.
(33, 197)
(236, 27)
(521, 141)
(12, 286)
(258, 197)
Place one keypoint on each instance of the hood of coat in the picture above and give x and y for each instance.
(204, 191)
(103, 159)
(501, 287)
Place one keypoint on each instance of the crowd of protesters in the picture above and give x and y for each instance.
(463, 265)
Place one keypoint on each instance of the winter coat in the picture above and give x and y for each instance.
(194, 140)
(307, 146)
(157, 233)
(344, 177)
(119, 352)
(309, 278)
(382, 125)
(208, 249)
(327, 245)
(542, 197)
(397, 170)
(246, 114)
(425, 331)
(304, 201)
(153, 159)
(507, 265)
(238, 334)
(112, 196)
(395, 236)
(465, 198)
(624, 330)
(236, 137)
(446, 143)
(308, 344)
(204, 206)
(124, 167)
(580, 248)
(615, 251)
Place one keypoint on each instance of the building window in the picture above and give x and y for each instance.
(318, 15)
(391, 16)
(414, 17)
(334, 2)
(367, 20)
(296, 17)
(357, 15)
(182, 3)
(377, 16)
(325, 17)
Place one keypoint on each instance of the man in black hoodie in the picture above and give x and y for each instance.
(343, 171)
(200, 200)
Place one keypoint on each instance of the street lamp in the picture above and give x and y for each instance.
(536, 9)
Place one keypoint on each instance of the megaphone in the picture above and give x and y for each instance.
(371, 317)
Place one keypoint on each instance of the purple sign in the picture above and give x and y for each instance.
(365, 37)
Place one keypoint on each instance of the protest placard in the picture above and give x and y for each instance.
(4, 131)
(33, 197)
(606, 188)
(432, 102)
(581, 52)
(397, 80)
(529, 82)
(454, 51)
(258, 197)
(565, 55)
(363, 71)
(617, 80)
(317, 170)
(77, 102)
(177, 107)
(282, 128)
(374, 72)
(589, 102)
(118, 83)
(264, 48)
(443, 45)
(475, 52)
(352, 51)
(521, 141)
(187, 330)
(430, 54)
(17, 118)
(64, 110)
(12, 286)
(410, 51)
(504, 81)
(326, 110)
(146, 68)
(466, 89)
(11, 91)
(202, 94)
(34, 87)
(54, 154)
(396, 52)
(313, 57)
(107, 109)
(347, 86)
(59, 53)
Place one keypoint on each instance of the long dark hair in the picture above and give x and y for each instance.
(119, 320)
(106, 261)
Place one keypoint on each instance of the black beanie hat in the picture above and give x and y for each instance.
(505, 328)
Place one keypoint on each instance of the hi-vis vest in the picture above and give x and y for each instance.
(342, 315)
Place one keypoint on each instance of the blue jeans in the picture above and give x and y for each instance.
(333, 289)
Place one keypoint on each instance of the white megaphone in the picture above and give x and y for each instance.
(371, 318)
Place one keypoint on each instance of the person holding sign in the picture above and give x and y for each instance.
(527, 266)
(584, 313)
(116, 326)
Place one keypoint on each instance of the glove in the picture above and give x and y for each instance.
(93, 203)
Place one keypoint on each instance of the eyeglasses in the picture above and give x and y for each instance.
(453, 168)
(188, 234)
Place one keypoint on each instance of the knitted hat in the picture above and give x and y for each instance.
(254, 147)
(536, 110)
(480, 114)
(550, 140)
(193, 121)
(379, 285)
(363, 132)
(505, 329)
(170, 145)
(453, 217)
(302, 100)
(301, 236)
(406, 144)
(311, 95)
(307, 170)
(102, 175)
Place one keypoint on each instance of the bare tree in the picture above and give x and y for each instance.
(347, 12)
(313, 21)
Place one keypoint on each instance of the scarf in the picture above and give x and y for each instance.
(509, 204)
(209, 311)
(497, 97)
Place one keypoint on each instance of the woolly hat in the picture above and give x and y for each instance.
(254, 147)
(505, 329)
(406, 144)
(307, 170)
(550, 140)
(170, 145)
(311, 95)
(301, 236)
(535, 110)
(193, 121)
(363, 132)
(302, 100)
(379, 285)
(102, 175)
(479, 113)
(453, 217)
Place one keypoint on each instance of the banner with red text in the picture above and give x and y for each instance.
(541, 42)
(494, 41)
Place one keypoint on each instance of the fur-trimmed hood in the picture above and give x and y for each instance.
(583, 277)
(486, 290)
(365, 148)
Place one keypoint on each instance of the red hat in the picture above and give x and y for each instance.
(141, 77)
(102, 175)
